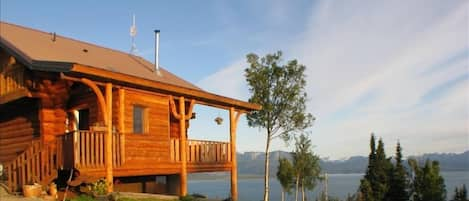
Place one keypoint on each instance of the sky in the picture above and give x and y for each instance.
(399, 69)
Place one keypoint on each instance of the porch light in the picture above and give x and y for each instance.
(219, 120)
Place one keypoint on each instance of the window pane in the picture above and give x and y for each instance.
(138, 119)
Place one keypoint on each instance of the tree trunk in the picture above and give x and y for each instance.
(266, 169)
(302, 191)
(283, 195)
(296, 186)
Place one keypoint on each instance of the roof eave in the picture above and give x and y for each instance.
(201, 96)
(51, 66)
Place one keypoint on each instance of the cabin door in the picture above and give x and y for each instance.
(80, 119)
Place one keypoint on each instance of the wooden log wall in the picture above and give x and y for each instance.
(151, 147)
(53, 93)
(18, 128)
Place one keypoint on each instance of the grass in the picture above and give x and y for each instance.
(140, 199)
(84, 197)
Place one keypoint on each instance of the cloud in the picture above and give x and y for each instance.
(229, 81)
(398, 69)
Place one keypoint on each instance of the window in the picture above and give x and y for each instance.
(140, 123)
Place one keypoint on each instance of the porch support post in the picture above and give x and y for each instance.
(108, 156)
(182, 116)
(183, 145)
(121, 124)
(234, 117)
(105, 105)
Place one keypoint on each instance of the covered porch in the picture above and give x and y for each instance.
(107, 152)
(84, 150)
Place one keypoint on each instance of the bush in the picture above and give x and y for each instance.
(99, 187)
(187, 198)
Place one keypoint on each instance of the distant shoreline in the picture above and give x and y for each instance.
(222, 176)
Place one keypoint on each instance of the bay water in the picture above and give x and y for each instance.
(339, 186)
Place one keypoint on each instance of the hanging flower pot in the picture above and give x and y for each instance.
(219, 120)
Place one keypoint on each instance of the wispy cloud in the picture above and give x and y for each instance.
(398, 69)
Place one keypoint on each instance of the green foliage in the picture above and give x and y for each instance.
(460, 194)
(329, 198)
(280, 90)
(83, 197)
(141, 199)
(377, 173)
(365, 191)
(398, 179)
(99, 187)
(305, 163)
(322, 197)
(353, 197)
(285, 174)
(187, 198)
(427, 183)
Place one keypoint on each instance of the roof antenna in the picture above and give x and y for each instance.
(157, 52)
(133, 33)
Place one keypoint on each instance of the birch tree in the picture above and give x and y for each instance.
(280, 89)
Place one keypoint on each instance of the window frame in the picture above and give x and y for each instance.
(144, 119)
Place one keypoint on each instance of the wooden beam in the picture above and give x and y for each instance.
(99, 95)
(108, 156)
(172, 105)
(201, 96)
(121, 93)
(234, 117)
(191, 106)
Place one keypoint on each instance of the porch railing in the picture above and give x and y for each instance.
(12, 80)
(86, 149)
(202, 151)
(37, 164)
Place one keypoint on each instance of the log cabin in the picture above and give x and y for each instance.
(68, 105)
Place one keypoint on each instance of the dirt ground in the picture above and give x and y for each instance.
(4, 196)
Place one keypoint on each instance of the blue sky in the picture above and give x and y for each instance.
(398, 69)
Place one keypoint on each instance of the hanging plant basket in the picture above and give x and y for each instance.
(219, 120)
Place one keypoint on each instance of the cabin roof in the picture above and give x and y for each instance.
(44, 51)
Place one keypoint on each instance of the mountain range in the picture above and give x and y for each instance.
(252, 163)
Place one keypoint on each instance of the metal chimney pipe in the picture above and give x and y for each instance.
(157, 52)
